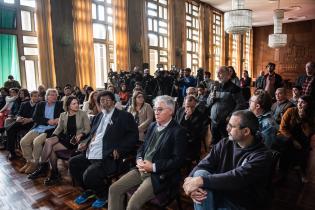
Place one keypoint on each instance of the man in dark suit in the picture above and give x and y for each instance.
(45, 117)
(24, 122)
(195, 122)
(113, 135)
(159, 160)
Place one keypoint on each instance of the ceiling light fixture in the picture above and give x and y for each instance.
(277, 39)
(238, 20)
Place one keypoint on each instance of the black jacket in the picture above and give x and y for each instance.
(121, 134)
(169, 157)
(240, 174)
(39, 114)
(26, 110)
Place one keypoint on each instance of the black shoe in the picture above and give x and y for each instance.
(53, 179)
(40, 171)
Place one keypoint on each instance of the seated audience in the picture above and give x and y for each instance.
(73, 127)
(236, 172)
(91, 107)
(113, 135)
(23, 95)
(159, 160)
(190, 118)
(23, 123)
(260, 104)
(207, 82)
(4, 92)
(296, 131)
(46, 117)
(281, 105)
(41, 92)
(87, 91)
(296, 93)
(6, 109)
(123, 94)
(142, 113)
(202, 95)
(67, 92)
(78, 93)
(112, 89)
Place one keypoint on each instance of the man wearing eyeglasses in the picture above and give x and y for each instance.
(236, 172)
(159, 161)
(113, 135)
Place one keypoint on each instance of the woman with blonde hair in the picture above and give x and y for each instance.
(91, 107)
(142, 113)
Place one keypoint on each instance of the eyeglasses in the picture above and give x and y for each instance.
(106, 100)
(230, 126)
(159, 110)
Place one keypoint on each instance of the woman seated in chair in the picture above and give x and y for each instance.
(142, 113)
(297, 130)
(91, 107)
(73, 126)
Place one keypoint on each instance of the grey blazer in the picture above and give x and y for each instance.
(81, 119)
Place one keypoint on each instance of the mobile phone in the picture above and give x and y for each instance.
(73, 140)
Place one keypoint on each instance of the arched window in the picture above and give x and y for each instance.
(19, 41)
(103, 36)
(192, 35)
(157, 17)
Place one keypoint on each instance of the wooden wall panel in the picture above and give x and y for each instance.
(290, 60)
(62, 30)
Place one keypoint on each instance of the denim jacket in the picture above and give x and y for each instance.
(268, 128)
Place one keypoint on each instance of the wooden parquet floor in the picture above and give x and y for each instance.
(19, 193)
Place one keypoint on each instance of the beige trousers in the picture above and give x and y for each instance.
(32, 145)
(130, 180)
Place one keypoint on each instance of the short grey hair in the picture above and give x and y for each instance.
(168, 100)
(50, 90)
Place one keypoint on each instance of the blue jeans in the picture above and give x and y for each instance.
(210, 203)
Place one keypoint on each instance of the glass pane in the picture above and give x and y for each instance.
(152, 5)
(8, 18)
(99, 31)
(108, 1)
(30, 40)
(101, 12)
(9, 1)
(30, 3)
(163, 2)
(100, 64)
(153, 60)
(155, 26)
(152, 12)
(153, 40)
(163, 30)
(94, 11)
(109, 19)
(30, 51)
(109, 11)
(110, 33)
(26, 20)
(30, 75)
(188, 60)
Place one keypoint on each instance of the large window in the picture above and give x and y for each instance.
(192, 35)
(103, 35)
(246, 51)
(23, 21)
(216, 40)
(157, 16)
(234, 54)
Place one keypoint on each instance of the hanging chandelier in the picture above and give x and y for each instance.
(238, 20)
(277, 39)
